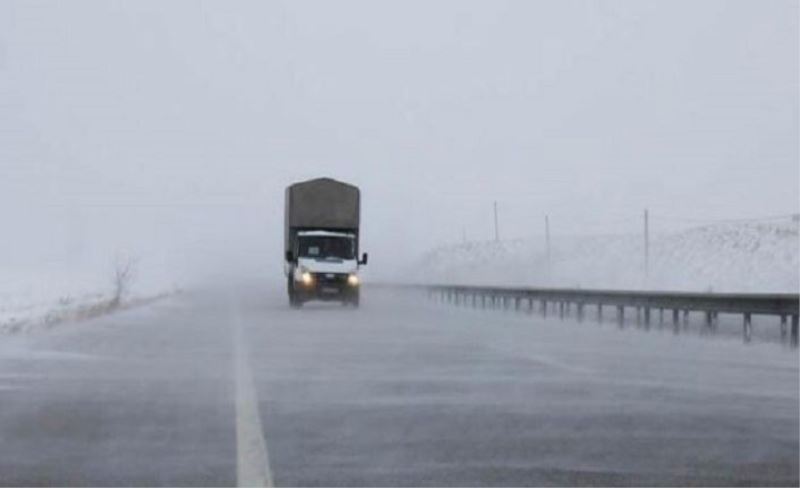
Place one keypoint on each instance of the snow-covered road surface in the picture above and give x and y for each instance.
(400, 392)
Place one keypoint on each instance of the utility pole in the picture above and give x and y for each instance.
(646, 244)
(547, 241)
(496, 228)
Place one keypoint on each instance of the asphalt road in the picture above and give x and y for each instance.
(229, 385)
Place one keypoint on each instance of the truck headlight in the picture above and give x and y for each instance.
(306, 278)
(352, 280)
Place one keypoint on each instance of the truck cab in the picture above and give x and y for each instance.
(324, 267)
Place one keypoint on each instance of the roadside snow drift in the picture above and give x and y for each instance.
(742, 257)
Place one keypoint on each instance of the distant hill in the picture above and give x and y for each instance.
(741, 257)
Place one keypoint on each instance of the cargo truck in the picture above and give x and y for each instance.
(321, 237)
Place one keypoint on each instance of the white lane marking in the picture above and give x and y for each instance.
(252, 460)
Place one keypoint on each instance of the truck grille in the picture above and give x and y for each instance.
(331, 278)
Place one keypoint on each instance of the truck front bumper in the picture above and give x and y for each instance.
(326, 286)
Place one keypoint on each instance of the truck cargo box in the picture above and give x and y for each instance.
(322, 203)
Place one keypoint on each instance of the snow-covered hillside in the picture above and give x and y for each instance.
(740, 257)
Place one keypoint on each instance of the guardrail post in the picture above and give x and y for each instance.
(686, 319)
(783, 327)
(579, 310)
(620, 316)
(661, 317)
(709, 319)
(647, 317)
(599, 313)
(544, 308)
(794, 329)
(748, 327)
(675, 319)
(561, 310)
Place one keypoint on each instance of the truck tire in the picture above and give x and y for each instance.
(294, 300)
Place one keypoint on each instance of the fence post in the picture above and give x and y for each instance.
(748, 328)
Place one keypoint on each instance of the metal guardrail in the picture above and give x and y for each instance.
(560, 301)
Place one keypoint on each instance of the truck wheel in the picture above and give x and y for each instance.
(294, 300)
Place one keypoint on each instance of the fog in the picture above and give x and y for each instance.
(169, 130)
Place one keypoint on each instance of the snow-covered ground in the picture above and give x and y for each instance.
(732, 257)
(33, 300)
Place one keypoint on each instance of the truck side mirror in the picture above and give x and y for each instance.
(363, 259)
(289, 256)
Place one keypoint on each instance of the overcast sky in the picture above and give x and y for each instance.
(171, 128)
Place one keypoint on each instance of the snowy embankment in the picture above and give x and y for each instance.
(30, 302)
(742, 257)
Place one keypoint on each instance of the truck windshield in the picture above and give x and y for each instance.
(327, 247)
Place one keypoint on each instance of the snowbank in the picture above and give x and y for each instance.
(741, 257)
(34, 300)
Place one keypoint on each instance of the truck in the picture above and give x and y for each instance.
(321, 237)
